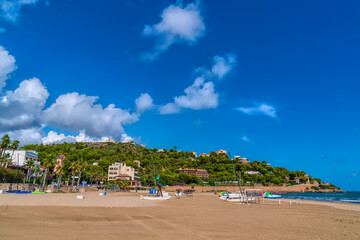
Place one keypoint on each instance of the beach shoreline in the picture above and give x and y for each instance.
(204, 216)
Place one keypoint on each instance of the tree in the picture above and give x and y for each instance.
(7, 160)
(48, 163)
(28, 165)
(5, 142)
(37, 170)
(60, 172)
(73, 168)
(14, 145)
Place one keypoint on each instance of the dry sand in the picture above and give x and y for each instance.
(204, 216)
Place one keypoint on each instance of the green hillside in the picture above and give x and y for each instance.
(166, 163)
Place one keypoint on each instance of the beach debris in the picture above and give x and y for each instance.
(80, 197)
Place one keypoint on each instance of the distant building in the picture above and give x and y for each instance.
(142, 145)
(137, 162)
(123, 172)
(110, 140)
(95, 163)
(204, 155)
(161, 150)
(197, 172)
(252, 172)
(268, 164)
(221, 151)
(195, 153)
(242, 160)
(19, 158)
(59, 162)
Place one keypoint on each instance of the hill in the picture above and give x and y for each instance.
(166, 163)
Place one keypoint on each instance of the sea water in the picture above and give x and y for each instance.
(351, 197)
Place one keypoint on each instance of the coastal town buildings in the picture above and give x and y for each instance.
(221, 151)
(204, 155)
(121, 171)
(195, 153)
(19, 157)
(242, 160)
(252, 172)
(110, 140)
(191, 171)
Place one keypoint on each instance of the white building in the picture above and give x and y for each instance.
(252, 172)
(19, 158)
(123, 172)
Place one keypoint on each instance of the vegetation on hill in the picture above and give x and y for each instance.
(167, 162)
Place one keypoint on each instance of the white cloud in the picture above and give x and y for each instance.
(259, 109)
(79, 112)
(54, 137)
(200, 95)
(10, 9)
(223, 65)
(7, 65)
(178, 24)
(245, 139)
(169, 108)
(125, 138)
(21, 109)
(26, 136)
(144, 103)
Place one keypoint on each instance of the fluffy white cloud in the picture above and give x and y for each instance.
(10, 9)
(126, 138)
(169, 108)
(223, 65)
(178, 24)
(7, 65)
(79, 112)
(262, 108)
(200, 95)
(21, 109)
(144, 103)
(27, 136)
(54, 137)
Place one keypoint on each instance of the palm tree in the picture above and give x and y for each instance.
(80, 165)
(125, 184)
(73, 168)
(7, 159)
(37, 170)
(14, 145)
(5, 142)
(48, 163)
(60, 172)
(29, 164)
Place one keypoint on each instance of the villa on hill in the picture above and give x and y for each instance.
(191, 171)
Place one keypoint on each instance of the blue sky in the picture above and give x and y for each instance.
(274, 81)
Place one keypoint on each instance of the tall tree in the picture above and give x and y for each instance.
(37, 170)
(28, 165)
(5, 142)
(48, 163)
(14, 145)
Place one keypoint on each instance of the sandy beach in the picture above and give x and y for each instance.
(204, 216)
